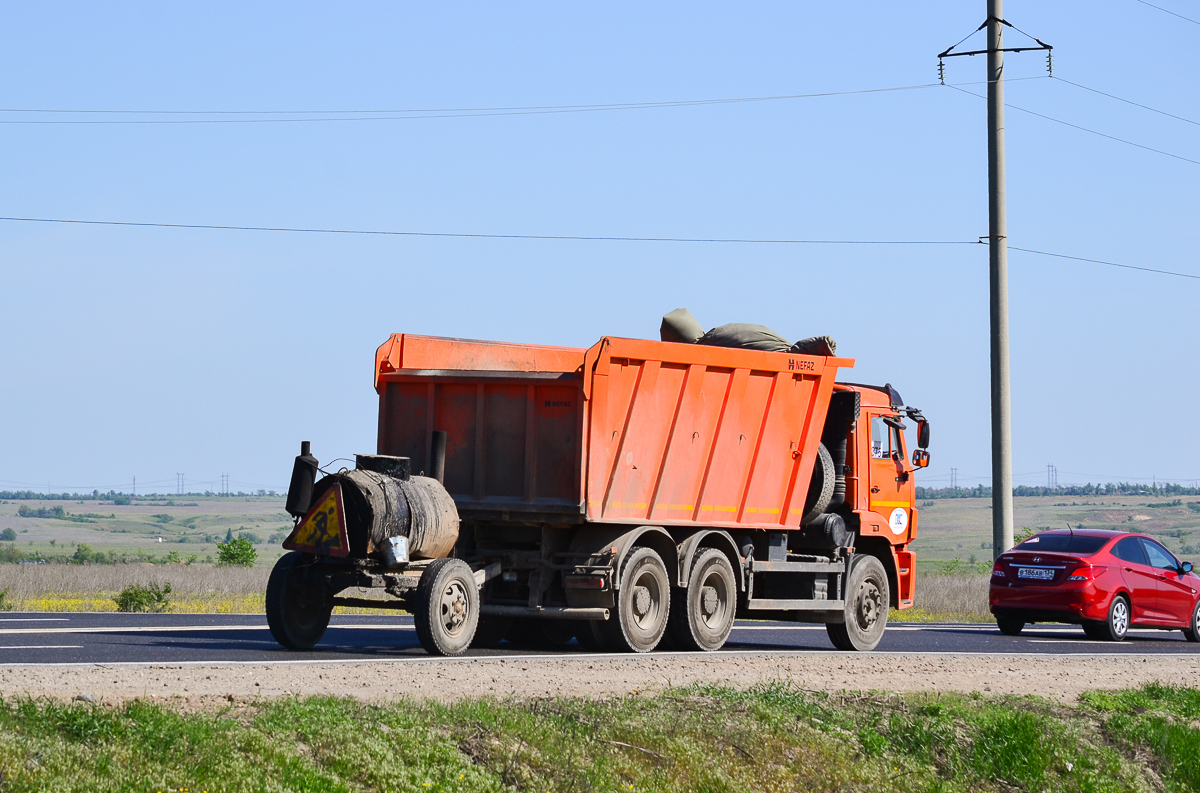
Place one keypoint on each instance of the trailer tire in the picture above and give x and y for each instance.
(820, 488)
(643, 604)
(297, 612)
(447, 611)
(867, 600)
(702, 613)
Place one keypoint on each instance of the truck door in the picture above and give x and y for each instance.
(891, 481)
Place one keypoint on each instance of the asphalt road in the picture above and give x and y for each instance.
(43, 638)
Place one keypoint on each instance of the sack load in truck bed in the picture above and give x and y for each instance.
(610, 495)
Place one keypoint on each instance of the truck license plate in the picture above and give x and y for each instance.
(1039, 573)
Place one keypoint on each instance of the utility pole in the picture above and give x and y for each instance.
(1002, 503)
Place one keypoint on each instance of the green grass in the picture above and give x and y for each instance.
(700, 738)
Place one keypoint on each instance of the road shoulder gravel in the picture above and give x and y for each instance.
(1061, 677)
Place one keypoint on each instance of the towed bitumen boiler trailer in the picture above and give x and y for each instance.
(625, 495)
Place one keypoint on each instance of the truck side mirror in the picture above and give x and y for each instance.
(923, 434)
(920, 458)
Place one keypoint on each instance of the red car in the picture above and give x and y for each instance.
(1106, 581)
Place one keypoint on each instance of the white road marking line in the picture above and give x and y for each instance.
(181, 629)
(42, 647)
(35, 619)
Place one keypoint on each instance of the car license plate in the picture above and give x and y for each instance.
(1039, 573)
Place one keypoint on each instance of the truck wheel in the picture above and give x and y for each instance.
(297, 613)
(447, 610)
(820, 488)
(867, 600)
(643, 604)
(702, 614)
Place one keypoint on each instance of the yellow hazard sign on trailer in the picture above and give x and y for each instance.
(323, 529)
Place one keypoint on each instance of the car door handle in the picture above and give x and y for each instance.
(1129, 569)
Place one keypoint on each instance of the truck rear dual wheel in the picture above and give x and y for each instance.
(867, 601)
(702, 614)
(447, 607)
(643, 605)
(297, 611)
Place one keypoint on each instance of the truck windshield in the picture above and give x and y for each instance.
(1080, 544)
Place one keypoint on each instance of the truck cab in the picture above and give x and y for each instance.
(880, 483)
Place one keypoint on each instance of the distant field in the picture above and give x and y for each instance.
(187, 525)
(961, 528)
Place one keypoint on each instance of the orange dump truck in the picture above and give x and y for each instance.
(623, 495)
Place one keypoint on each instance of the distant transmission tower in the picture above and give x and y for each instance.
(179, 484)
(225, 484)
(953, 478)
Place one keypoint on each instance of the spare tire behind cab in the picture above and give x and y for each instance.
(820, 489)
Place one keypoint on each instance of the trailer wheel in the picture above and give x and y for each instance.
(820, 488)
(447, 610)
(643, 604)
(702, 614)
(297, 613)
(867, 600)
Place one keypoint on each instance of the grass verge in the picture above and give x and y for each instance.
(768, 738)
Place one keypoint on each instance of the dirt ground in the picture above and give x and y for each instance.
(208, 685)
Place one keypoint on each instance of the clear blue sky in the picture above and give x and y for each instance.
(146, 352)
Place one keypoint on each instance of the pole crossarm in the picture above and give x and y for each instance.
(950, 53)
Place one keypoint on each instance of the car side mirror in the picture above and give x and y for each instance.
(1186, 567)
(923, 433)
(920, 458)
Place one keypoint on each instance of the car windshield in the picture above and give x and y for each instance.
(1080, 544)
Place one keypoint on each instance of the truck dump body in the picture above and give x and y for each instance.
(627, 431)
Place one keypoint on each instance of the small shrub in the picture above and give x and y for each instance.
(251, 536)
(8, 535)
(238, 551)
(6, 603)
(137, 598)
(121, 500)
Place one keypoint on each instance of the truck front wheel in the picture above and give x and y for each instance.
(447, 610)
(297, 613)
(643, 604)
(867, 600)
(702, 614)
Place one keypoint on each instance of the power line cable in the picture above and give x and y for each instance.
(1085, 129)
(1129, 101)
(569, 237)
(1172, 13)
(1101, 261)
(573, 238)
(414, 114)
